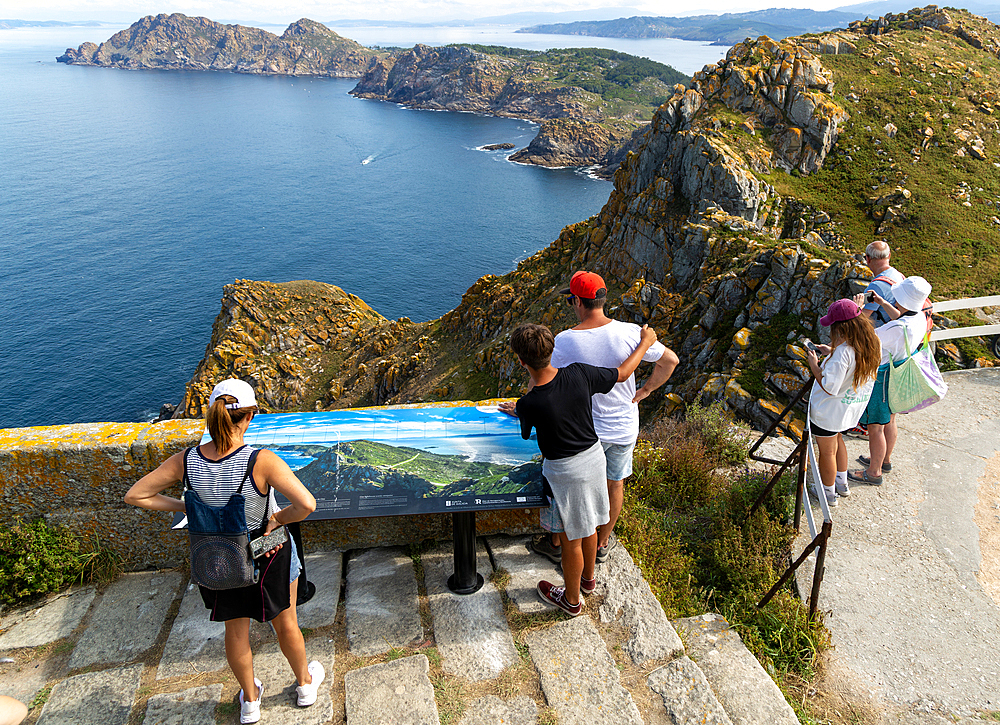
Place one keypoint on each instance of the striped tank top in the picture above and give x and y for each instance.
(216, 481)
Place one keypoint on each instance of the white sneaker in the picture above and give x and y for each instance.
(831, 496)
(250, 711)
(842, 489)
(307, 693)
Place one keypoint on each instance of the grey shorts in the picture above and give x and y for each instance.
(619, 458)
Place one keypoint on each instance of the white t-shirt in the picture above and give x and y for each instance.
(836, 405)
(616, 417)
(894, 334)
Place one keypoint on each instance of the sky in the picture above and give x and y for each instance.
(282, 12)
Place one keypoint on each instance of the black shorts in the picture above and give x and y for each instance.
(822, 432)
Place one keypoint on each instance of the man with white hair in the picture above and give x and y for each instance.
(885, 276)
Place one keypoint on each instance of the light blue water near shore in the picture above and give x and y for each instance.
(128, 199)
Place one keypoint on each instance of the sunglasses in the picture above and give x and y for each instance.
(569, 300)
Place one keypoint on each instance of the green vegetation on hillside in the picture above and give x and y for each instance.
(950, 228)
(607, 73)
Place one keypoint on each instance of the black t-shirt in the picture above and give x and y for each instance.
(560, 410)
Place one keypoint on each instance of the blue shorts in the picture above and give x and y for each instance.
(550, 519)
(619, 458)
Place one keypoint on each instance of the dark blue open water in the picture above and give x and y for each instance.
(128, 199)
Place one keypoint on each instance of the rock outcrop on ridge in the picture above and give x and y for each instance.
(738, 218)
(179, 42)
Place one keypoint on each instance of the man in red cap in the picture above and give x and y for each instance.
(600, 341)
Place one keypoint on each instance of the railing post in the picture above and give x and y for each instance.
(818, 573)
(799, 486)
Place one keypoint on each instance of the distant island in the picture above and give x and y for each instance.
(590, 102)
(10, 24)
(726, 29)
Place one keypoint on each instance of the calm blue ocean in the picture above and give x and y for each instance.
(128, 199)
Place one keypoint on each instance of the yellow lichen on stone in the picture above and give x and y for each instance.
(742, 338)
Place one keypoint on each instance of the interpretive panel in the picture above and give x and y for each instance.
(394, 461)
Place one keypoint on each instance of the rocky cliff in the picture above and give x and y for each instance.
(179, 42)
(740, 215)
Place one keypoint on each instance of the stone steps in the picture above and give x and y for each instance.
(621, 662)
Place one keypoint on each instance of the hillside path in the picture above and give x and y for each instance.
(912, 563)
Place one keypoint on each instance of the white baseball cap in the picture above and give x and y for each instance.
(238, 389)
(911, 293)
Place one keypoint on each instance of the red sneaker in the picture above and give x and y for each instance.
(556, 596)
(587, 586)
(861, 431)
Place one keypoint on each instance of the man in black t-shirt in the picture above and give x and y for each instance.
(558, 406)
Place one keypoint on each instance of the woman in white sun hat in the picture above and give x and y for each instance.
(215, 471)
(908, 328)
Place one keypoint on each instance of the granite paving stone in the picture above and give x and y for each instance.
(629, 600)
(323, 570)
(526, 569)
(741, 685)
(195, 706)
(470, 630)
(103, 698)
(491, 710)
(195, 643)
(382, 602)
(127, 619)
(393, 693)
(55, 620)
(24, 681)
(579, 677)
(687, 697)
(279, 704)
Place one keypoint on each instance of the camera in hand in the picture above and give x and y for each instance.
(811, 346)
(870, 296)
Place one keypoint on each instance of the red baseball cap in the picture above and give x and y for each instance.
(840, 311)
(586, 285)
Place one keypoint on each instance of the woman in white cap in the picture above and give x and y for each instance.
(842, 387)
(215, 471)
(908, 328)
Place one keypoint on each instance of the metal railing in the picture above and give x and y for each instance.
(974, 331)
(804, 458)
(820, 537)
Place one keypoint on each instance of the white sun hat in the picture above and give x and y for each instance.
(911, 293)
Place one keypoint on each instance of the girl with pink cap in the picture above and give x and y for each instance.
(842, 387)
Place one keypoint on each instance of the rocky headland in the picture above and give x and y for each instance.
(738, 217)
(589, 101)
(179, 42)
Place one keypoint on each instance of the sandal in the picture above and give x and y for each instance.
(866, 461)
(863, 477)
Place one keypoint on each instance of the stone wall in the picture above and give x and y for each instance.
(77, 475)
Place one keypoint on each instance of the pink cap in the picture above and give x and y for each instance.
(840, 311)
